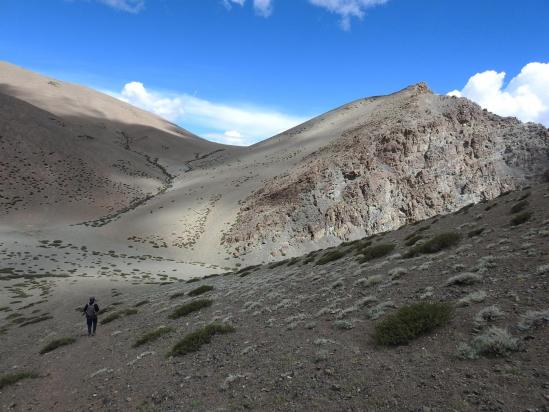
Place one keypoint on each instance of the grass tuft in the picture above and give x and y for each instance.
(330, 257)
(190, 307)
(12, 378)
(56, 344)
(118, 314)
(519, 207)
(376, 251)
(495, 342)
(194, 341)
(143, 302)
(200, 290)
(410, 322)
(436, 244)
(521, 218)
(151, 336)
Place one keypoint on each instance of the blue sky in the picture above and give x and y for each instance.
(239, 71)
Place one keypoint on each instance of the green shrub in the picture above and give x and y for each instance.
(330, 257)
(12, 378)
(190, 307)
(194, 341)
(411, 241)
(519, 207)
(410, 322)
(521, 218)
(376, 251)
(192, 280)
(475, 232)
(177, 295)
(56, 344)
(118, 314)
(151, 336)
(200, 290)
(436, 244)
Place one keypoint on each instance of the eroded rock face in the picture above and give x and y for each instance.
(414, 156)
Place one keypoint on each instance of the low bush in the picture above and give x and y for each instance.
(519, 207)
(190, 307)
(56, 344)
(194, 341)
(465, 278)
(521, 218)
(436, 244)
(330, 257)
(200, 290)
(12, 378)
(492, 342)
(375, 252)
(151, 336)
(410, 322)
(475, 232)
(118, 314)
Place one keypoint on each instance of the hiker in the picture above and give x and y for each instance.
(91, 310)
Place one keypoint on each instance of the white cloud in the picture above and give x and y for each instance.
(263, 8)
(130, 6)
(229, 3)
(525, 97)
(347, 9)
(225, 123)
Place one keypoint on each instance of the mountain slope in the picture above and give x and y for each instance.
(71, 154)
(412, 156)
(110, 172)
(303, 327)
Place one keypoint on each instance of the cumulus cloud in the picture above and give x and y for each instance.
(526, 96)
(229, 3)
(130, 6)
(224, 123)
(347, 9)
(263, 8)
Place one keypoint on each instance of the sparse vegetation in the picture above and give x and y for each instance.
(493, 341)
(34, 320)
(177, 295)
(436, 244)
(521, 218)
(190, 307)
(376, 251)
(411, 241)
(12, 378)
(141, 303)
(200, 290)
(194, 341)
(487, 314)
(475, 232)
(410, 322)
(151, 336)
(474, 297)
(519, 207)
(465, 278)
(56, 344)
(118, 314)
(330, 257)
(533, 319)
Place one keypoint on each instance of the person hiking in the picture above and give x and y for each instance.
(91, 310)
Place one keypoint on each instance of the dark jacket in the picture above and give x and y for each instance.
(96, 309)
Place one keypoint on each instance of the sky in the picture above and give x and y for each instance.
(239, 71)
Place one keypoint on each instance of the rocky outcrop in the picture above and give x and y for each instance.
(413, 156)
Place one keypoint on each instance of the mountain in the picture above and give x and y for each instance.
(82, 165)
(70, 154)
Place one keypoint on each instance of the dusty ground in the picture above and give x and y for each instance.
(302, 337)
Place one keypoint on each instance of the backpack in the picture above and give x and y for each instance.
(90, 311)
